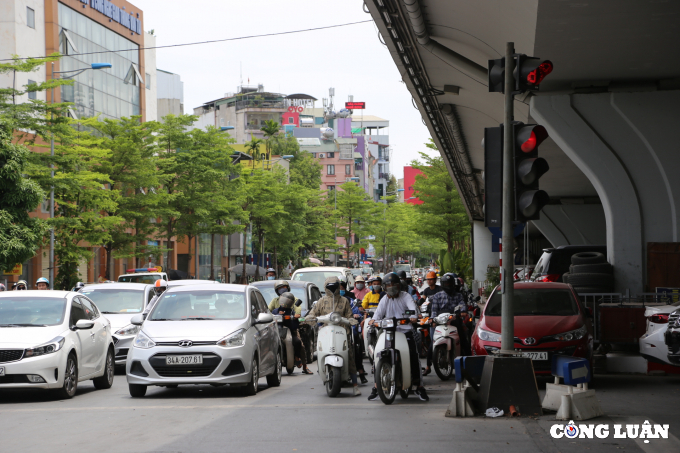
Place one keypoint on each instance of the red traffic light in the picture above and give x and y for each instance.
(529, 137)
(536, 76)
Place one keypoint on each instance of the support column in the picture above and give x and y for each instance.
(481, 247)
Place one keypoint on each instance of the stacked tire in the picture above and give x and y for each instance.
(590, 273)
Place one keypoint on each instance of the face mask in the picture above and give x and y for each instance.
(360, 286)
(270, 277)
(377, 288)
(392, 291)
(342, 292)
(281, 290)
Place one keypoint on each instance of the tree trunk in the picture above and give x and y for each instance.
(257, 269)
(109, 249)
(275, 262)
(384, 257)
(212, 261)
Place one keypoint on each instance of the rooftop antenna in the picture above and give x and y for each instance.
(240, 65)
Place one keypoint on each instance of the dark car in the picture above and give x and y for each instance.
(556, 261)
(308, 293)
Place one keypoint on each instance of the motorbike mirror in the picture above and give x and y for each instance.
(303, 313)
(298, 303)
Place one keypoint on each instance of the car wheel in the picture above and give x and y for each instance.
(251, 388)
(105, 381)
(137, 390)
(68, 389)
(274, 379)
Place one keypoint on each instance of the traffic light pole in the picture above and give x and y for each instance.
(507, 289)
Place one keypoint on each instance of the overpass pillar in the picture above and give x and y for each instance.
(626, 144)
(482, 250)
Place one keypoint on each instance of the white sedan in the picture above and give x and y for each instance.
(53, 340)
(652, 344)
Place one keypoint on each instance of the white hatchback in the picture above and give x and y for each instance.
(53, 340)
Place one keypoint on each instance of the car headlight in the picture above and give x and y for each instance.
(142, 341)
(493, 337)
(569, 336)
(130, 329)
(47, 348)
(234, 340)
(387, 323)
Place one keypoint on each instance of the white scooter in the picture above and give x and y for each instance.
(333, 351)
(445, 346)
(393, 364)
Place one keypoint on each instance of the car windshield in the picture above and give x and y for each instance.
(401, 267)
(269, 294)
(536, 302)
(357, 272)
(150, 279)
(116, 300)
(318, 277)
(31, 311)
(199, 305)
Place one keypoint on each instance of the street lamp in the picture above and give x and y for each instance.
(72, 73)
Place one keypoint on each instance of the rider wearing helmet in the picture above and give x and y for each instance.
(372, 299)
(21, 286)
(42, 284)
(287, 308)
(280, 287)
(78, 287)
(432, 287)
(407, 285)
(360, 289)
(271, 274)
(394, 305)
(447, 301)
(159, 287)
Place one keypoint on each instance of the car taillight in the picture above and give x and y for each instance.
(661, 318)
(548, 278)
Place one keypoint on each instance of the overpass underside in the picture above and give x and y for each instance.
(611, 107)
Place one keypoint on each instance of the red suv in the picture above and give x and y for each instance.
(549, 320)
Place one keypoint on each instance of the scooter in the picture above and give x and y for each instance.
(286, 343)
(333, 354)
(446, 345)
(393, 364)
(370, 335)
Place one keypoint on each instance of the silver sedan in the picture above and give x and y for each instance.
(205, 334)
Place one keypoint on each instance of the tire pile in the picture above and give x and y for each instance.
(590, 273)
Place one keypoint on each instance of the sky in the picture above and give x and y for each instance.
(351, 59)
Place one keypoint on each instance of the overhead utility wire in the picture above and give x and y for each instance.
(212, 41)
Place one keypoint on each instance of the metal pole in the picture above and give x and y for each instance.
(507, 313)
(335, 194)
(51, 269)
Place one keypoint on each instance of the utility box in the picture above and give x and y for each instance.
(621, 323)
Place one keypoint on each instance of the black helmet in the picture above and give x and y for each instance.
(449, 281)
(286, 300)
(279, 285)
(392, 284)
(401, 275)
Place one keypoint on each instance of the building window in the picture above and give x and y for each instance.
(30, 17)
(291, 120)
(31, 94)
(346, 151)
(348, 170)
(331, 155)
(330, 188)
(331, 169)
(148, 81)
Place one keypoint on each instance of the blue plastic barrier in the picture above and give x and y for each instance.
(472, 365)
(573, 370)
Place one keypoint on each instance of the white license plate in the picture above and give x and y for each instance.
(184, 359)
(536, 355)
(2, 370)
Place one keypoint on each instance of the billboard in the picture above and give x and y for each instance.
(410, 174)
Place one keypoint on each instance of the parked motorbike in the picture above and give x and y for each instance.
(446, 345)
(288, 353)
(393, 364)
(370, 335)
(333, 354)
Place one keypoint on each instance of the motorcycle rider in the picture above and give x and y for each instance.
(407, 285)
(356, 335)
(159, 287)
(372, 299)
(393, 305)
(21, 286)
(360, 289)
(271, 274)
(432, 287)
(286, 308)
(42, 284)
(446, 301)
(280, 287)
(331, 302)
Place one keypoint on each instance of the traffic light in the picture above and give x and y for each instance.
(530, 72)
(497, 75)
(493, 176)
(529, 200)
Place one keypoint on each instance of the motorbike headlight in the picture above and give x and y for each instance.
(442, 319)
(335, 318)
(234, 340)
(142, 341)
(387, 323)
(569, 336)
(130, 329)
(493, 337)
(47, 348)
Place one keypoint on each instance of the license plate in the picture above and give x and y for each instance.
(536, 355)
(2, 370)
(184, 359)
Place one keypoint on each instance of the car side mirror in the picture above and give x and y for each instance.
(84, 324)
(264, 318)
(137, 320)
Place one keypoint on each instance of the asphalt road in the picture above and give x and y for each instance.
(298, 416)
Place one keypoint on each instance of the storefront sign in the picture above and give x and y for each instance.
(355, 105)
(16, 270)
(116, 14)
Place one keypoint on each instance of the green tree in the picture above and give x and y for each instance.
(353, 215)
(442, 209)
(253, 147)
(270, 129)
(392, 187)
(393, 227)
(20, 235)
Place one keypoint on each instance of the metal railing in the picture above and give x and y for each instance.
(259, 104)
